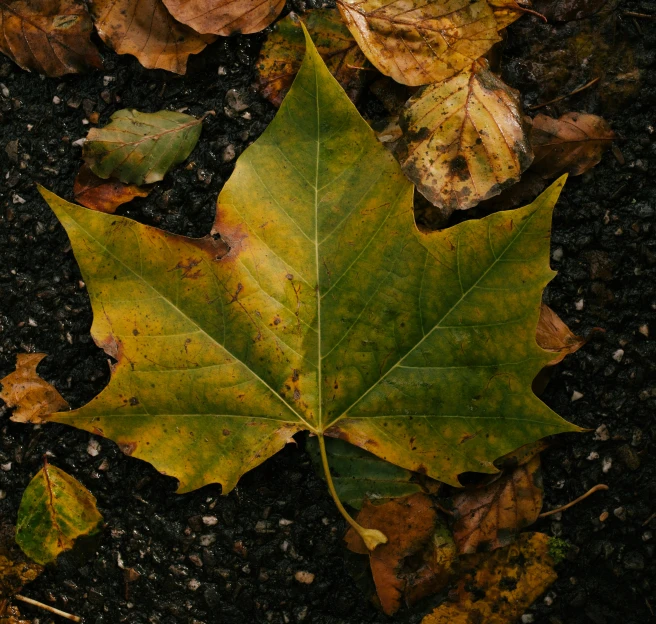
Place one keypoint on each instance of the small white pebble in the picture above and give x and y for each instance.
(104, 465)
(6, 467)
(193, 584)
(647, 536)
(284, 522)
(606, 464)
(3, 494)
(222, 71)
(602, 433)
(17, 199)
(31, 322)
(85, 122)
(548, 600)
(69, 338)
(594, 455)
(304, 577)
(527, 618)
(79, 142)
(4, 90)
(29, 127)
(618, 355)
(576, 395)
(207, 540)
(93, 447)
(579, 305)
(284, 546)
(210, 520)
(557, 254)
(644, 330)
(108, 79)
(56, 100)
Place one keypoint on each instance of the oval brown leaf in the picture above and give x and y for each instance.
(492, 516)
(417, 43)
(464, 139)
(145, 29)
(572, 144)
(103, 195)
(225, 17)
(50, 37)
(283, 51)
(33, 397)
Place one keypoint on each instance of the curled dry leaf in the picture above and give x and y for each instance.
(103, 195)
(572, 144)
(409, 524)
(225, 17)
(139, 148)
(359, 475)
(55, 510)
(464, 139)
(418, 42)
(492, 515)
(553, 335)
(50, 37)
(498, 587)
(282, 54)
(32, 397)
(145, 29)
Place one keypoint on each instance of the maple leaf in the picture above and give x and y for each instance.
(55, 510)
(321, 307)
(50, 37)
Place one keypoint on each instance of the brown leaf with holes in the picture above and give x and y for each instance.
(50, 37)
(464, 139)
(553, 335)
(418, 42)
(33, 397)
(490, 516)
(498, 587)
(145, 29)
(573, 143)
(282, 53)
(103, 195)
(409, 524)
(225, 17)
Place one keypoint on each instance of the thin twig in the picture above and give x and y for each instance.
(648, 520)
(530, 12)
(596, 488)
(361, 68)
(640, 15)
(45, 607)
(562, 97)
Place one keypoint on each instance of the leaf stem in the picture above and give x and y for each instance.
(45, 607)
(371, 537)
(596, 488)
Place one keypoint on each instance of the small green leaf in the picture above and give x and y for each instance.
(358, 474)
(55, 510)
(139, 148)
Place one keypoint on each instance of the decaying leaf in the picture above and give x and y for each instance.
(145, 29)
(55, 510)
(498, 587)
(359, 475)
(553, 335)
(282, 54)
(330, 312)
(50, 37)
(409, 524)
(103, 195)
(32, 397)
(417, 43)
(464, 139)
(139, 148)
(492, 515)
(507, 11)
(225, 17)
(572, 144)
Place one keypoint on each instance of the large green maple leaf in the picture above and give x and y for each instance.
(331, 312)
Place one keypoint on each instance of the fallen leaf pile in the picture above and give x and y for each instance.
(55, 510)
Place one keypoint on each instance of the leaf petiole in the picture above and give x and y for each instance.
(371, 537)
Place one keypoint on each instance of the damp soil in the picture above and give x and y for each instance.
(204, 558)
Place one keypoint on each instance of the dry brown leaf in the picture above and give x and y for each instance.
(225, 17)
(409, 524)
(553, 335)
(464, 139)
(572, 144)
(417, 43)
(103, 195)
(49, 36)
(491, 516)
(497, 588)
(32, 396)
(145, 29)
(283, 51)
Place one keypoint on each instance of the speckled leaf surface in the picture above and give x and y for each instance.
(139, 148)
(321, 307)
(55, 510)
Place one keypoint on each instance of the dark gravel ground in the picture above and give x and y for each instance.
(203, 558)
